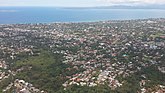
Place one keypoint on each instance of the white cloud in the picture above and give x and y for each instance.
(8, 10)
(132, 2)
(77, 2)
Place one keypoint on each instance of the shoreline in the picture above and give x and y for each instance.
(79, 22)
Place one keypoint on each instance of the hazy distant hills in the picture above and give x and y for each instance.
(123, 7)
(133, 7)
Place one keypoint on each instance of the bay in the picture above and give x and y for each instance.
(13, 15)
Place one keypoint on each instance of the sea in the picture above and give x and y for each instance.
(19, 15)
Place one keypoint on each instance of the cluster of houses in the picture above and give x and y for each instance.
(3, 66)
(93, 78)
(3, 75)
(154, 89)
(24, 87)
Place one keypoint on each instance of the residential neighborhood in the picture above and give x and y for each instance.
(100, 53)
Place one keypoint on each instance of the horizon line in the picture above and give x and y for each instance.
(83, 6)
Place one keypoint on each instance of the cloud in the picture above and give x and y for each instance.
(11, 2)
(77, 2)
(132, 2)
(8, 11)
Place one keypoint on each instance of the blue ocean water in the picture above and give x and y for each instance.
(10, 15)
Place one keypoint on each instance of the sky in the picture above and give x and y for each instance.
(78, 3)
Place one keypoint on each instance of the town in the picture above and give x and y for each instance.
(101, 53)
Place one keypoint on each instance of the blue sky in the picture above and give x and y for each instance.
(77, 3)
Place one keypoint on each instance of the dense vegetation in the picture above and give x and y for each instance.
(45, 71)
